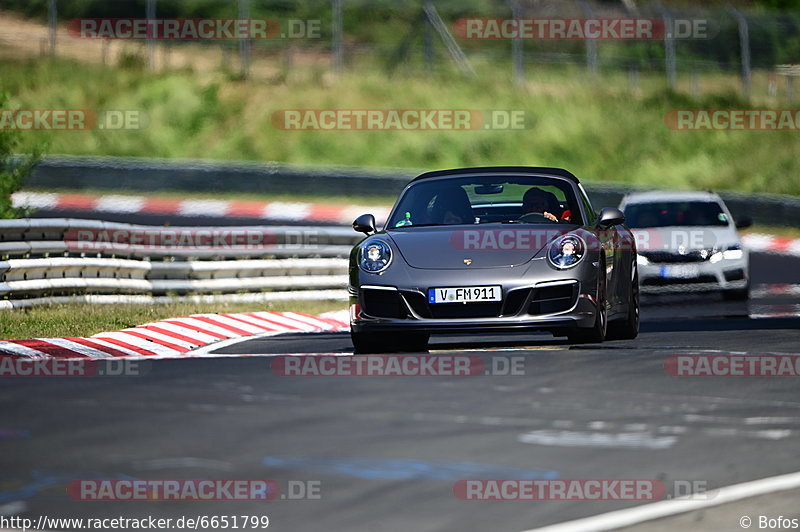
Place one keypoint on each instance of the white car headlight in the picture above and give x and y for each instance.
(733, 252)
(376, 256)
(566, 252)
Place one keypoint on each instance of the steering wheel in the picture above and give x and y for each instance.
(535, 217)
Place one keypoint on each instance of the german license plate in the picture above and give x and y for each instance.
(679, 271)
(465, 294)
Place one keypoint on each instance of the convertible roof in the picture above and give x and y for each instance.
(560, 172)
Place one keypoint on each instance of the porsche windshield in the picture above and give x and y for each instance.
(486, 199)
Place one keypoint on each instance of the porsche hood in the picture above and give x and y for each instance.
(467, 247)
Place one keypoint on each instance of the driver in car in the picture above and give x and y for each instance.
(540, 202)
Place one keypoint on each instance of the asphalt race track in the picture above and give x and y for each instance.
(385, 452)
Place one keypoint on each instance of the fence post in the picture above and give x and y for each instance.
(744, 43)
(244, 44)
(669, 48)
(633, 77)
(516, 47)
(52, 20)
(337, 35)
(150, 14)
(591, 44)
(427, 42)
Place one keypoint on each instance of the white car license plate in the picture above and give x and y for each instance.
(680, 271)
(465, 294)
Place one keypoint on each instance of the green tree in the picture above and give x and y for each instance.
(13, 168)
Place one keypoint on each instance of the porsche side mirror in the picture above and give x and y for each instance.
(743, 222)
(609, 217)
(365, 224)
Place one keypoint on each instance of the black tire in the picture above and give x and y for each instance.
(370, 342)
(628, 328)
(365, 342)
(412, 342)
(597, 332)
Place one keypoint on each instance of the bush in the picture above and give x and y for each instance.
(13, 169)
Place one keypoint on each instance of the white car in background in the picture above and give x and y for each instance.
(687, 242)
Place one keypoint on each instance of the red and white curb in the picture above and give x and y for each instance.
(769, 290)
(125, 204)
(176, 337)
(762, 243)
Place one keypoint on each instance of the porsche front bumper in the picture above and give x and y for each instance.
(544, 305)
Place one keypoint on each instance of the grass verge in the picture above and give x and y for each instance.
(602, 130)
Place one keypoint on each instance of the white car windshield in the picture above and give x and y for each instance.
(675, 214)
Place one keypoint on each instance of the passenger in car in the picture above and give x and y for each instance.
(452, 208)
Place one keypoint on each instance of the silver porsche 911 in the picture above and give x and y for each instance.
(481, 250)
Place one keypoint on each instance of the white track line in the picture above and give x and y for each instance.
(658, 510)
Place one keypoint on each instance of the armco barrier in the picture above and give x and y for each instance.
(42, 259)
(147, 175)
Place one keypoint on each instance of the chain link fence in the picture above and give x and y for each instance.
(695, 49)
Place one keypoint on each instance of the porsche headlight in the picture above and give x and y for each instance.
(566, 252)
(376, 256)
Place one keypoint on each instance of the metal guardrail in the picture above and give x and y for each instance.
(199, 175)
(43, 259)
